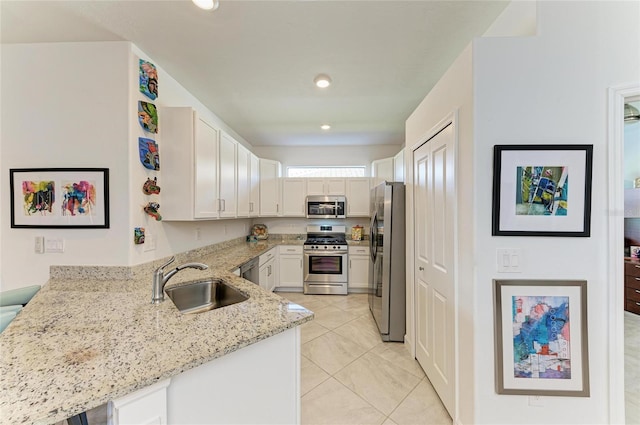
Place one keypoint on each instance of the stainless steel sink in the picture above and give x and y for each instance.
(204, 295)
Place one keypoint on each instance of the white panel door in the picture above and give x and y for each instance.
(434, 198)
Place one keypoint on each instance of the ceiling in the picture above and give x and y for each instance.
(253, 62)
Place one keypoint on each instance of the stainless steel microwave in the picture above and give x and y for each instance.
(326, 206)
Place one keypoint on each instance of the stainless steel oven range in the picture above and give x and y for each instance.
(325, 260)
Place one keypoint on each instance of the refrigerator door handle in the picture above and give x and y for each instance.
(373, 237)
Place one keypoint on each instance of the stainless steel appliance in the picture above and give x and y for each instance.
(325, 260)
(249, 270)
(387, 266)
(326, 206)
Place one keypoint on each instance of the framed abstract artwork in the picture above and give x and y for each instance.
(542, 190)
(541, 337)
(59, 197)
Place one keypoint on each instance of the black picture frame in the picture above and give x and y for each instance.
(59, 198)
(556, 179)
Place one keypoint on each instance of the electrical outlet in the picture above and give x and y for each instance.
(38, 246)
(536, 401)
(225, 229)
(149, 243)
(198, 234)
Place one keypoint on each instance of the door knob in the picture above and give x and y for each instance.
(421, 268)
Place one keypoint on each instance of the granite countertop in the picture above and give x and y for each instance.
(87, 338)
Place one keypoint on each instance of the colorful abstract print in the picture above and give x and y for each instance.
(542, 190)
(79, 198)
(541, 340)
(38, 197)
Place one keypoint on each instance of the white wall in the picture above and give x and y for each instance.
(171, 237)
(75, 105)
(64, 105)
(329, 155)
(550, 89)
(453, 94)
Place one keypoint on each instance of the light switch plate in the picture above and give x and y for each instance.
(509, 260)
(38, 246)
(54, 245)
(149, 243)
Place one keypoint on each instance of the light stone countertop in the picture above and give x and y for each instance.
(87, 338)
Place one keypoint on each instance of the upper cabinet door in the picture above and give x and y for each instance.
(227, 182)
(358, 194)
(398, 167)
(293, 199)
(326, 186)
(243, 169)
(190, 157)
(269, 188)
(254, 171)
(381, 170)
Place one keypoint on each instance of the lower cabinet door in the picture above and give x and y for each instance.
(358, 272)
(290, 271)
(147, 406)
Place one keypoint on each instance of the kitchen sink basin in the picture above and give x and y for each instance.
(204, 295)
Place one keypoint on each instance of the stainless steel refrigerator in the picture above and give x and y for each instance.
(387, 265)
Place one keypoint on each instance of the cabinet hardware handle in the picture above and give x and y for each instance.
(300, 263)
(250, 206)
(421, 268)
(277, 207)
(638, 304)
(637, 267)
(349, 263)
(637, 278)
(637, 291)
(224, 205)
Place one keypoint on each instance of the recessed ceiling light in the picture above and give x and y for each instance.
(207, 4)
(322, 81)
(325, 127)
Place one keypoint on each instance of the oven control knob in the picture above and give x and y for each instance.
(326, 247)
(334, 247)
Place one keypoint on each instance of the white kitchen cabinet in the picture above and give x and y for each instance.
(243, 172)
(145, 406)
(227, 177)
(257, 384)
(290, 267)
(325, 186)
(381, 170)
(254, 177)
(358, 268)
(269, 188)
(267, 267)
(189, 166)
(293, 197)
(358, 194)
(398, 167)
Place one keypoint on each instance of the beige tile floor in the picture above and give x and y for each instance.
(349, 376)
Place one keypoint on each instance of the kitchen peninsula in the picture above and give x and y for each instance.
(91, 335)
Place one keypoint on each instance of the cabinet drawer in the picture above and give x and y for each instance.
(632, 282)
(633, 306)
(632, 269)
(290, 249)
(267, 256)
(632, 294)
(358, 250)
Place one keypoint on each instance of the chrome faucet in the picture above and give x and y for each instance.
(160, 279)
